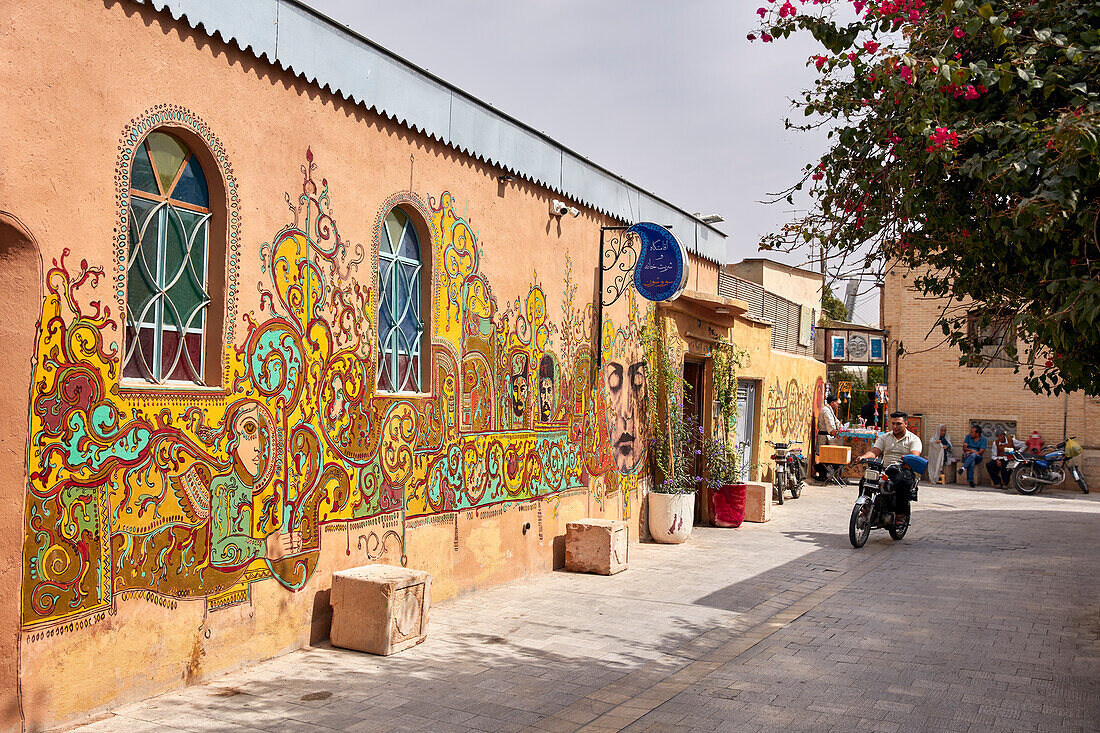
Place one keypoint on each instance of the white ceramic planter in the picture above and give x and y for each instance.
(671, 517)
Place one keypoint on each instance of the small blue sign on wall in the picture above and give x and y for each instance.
(839, 351)
(876, 349)
(661, 270)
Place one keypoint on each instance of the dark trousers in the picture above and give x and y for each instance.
(900, 484)
(998, 472)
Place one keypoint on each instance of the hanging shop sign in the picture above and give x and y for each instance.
(855, 347)
(662, 268)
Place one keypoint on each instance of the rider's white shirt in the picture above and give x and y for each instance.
(894, 448)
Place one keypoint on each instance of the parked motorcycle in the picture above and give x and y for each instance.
(791, 468)
(1031, 472)
(874, 507)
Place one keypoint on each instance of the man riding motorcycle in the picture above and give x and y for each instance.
(892, 446)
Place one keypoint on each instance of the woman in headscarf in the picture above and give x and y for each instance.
(939, 452)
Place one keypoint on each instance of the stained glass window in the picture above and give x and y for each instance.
(166, 296)
(400, 326)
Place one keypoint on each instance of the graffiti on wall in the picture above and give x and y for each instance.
(789, 409)
(184, 493)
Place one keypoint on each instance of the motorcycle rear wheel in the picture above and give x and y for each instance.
(897, 531)
(859, 526)
(796, 490)
(1023, 479)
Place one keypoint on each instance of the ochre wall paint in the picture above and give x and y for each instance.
(126, 545)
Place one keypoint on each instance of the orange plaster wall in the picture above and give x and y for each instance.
(85, 70)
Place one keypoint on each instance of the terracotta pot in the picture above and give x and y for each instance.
(727, 506)
(671, 516)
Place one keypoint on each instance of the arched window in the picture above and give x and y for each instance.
(167, 300)
(400, 326)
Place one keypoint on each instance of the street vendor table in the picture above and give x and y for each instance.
(860, 440)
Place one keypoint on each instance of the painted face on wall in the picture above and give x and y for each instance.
(519, 394)
(250, 434)
(519, 384)
(546, 398)
(625, 389)
(546, 388)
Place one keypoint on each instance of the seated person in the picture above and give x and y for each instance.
(892, 446)
(974, 446)
(998, 461)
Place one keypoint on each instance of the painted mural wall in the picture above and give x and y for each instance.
(790, 389)
(158, 495)
(206, 495)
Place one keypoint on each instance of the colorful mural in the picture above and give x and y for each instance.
(789, 410)
(180, 493)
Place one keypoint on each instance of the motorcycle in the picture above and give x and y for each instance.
(791, 468)
(874, 505)
(1031, 472)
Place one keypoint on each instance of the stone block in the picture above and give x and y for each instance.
(380, 609)
(596, 546)
(758, 501)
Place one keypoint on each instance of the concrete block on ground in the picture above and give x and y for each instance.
(758, 501)
(596, 546)
(380, 609)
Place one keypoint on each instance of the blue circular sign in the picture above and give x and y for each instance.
(661, 270)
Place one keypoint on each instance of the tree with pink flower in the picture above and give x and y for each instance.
(965, 146)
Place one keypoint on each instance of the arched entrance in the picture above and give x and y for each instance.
(21, 282)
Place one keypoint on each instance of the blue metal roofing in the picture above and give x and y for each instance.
(300, 40)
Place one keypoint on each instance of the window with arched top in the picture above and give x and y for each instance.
(400, 304)
(167, 295)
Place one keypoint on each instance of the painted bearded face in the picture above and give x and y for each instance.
(519, 394)
(625, 389)
(546, 398)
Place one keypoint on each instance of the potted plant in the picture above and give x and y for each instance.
(672, 498)
(726, 507)
(671, 454)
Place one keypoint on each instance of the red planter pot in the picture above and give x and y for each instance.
(727, 506)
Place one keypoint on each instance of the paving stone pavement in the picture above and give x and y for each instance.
(984, 618)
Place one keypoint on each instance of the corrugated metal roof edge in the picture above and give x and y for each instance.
(197, 23)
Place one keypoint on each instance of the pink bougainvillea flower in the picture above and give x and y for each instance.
(941, 138)
(765, 38)
(958, 32)
(751, 36)
(761, 12)
(819, 61)
(870, 46)
(906, 74)
(787, 9)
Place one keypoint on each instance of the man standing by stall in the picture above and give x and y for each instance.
(828, 427)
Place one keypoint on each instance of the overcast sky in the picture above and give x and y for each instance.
(668, 94)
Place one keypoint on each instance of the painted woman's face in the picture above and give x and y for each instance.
(250, 443)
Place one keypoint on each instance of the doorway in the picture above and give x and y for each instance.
(21, 279)
(693, 412)
(745, 430)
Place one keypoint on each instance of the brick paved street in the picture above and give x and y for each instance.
(984, 618)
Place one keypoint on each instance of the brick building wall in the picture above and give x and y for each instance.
(929, 380)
